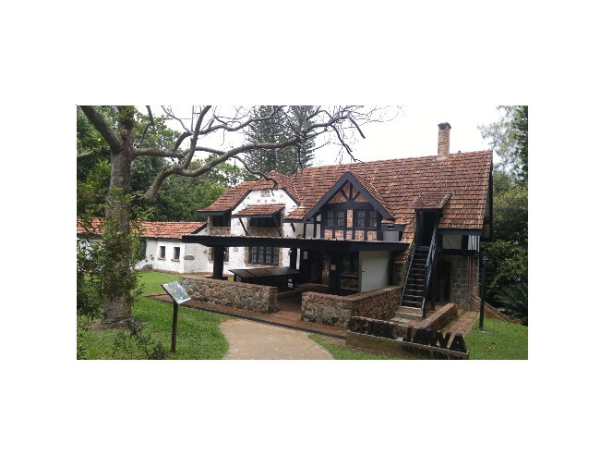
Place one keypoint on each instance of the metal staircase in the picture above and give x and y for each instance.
(418, 276)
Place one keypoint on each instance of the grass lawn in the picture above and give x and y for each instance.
(198, 334)
(498, 341)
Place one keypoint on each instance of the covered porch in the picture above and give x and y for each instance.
(307, 258)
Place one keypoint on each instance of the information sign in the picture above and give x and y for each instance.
(176, 291)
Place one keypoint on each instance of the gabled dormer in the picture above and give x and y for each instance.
(350, 210)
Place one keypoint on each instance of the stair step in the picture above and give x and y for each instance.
(408, 303)
(408, 313)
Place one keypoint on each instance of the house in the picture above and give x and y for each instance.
(165, 251)
(163, 247)
(411, 226)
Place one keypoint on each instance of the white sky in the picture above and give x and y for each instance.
(412, 133)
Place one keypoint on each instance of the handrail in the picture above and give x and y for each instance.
(407, 275)
(428, 269)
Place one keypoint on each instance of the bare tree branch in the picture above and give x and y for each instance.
(170, 113)
(151, 123)
(257, 173)
(159, 153)
(93, 153)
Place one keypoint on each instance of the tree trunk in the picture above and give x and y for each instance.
(117, 271)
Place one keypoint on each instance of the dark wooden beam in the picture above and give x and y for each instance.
(219, 258)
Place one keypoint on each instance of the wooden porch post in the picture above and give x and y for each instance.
(335, 271)
(219, 259)
(434, 282)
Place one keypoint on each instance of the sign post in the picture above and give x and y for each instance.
(178, 296)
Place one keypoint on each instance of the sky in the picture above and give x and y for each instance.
(410, 132)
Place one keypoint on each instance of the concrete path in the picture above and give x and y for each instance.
(249, 340)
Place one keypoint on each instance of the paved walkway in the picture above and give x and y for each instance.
(249, 340)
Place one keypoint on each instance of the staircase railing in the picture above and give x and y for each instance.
(407, 275)
(428, 269)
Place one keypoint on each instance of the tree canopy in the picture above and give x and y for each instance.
(152, 167)
(286, 123)
(507, 272)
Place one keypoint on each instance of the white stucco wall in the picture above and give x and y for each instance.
(192, 257)
(237, 255)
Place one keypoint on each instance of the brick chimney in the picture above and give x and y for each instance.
(443, 142)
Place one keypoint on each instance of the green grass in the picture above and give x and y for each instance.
(498, 341)
(198, 334)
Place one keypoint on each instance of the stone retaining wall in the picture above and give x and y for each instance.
(336, 310)
(440, 318)
(251, 297)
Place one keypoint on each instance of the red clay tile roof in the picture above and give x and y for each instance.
(96, 227)
(260, 210)
(283, 182)
(153, 229)
(430, 201)
(397, 184)
(172, 230)
(230, 198)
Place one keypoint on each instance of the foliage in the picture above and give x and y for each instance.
(137, 344)
(145, 154)
(509, 138)
(198, 335)
(500, 340)
(514, 298)
(180, 197)
(98, 279)
(507, 271)
(281, 127)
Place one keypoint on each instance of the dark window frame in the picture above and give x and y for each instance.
(261, 255)
(350, 263)
(365, 219)
(265, 222)
(221, 221)
(336, 218)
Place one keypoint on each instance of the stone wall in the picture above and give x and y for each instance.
(251, 297)
(336, 310)
(464, 279)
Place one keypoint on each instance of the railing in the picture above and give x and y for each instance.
(407, 275)
(428, 269)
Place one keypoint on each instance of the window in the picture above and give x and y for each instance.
(350, 263)
(265, 222)
(263, 255)
(336, 218)
(162, 252)
(365, 218)
(177, 253)
(222, 220)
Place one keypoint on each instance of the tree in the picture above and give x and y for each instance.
(507, 273)
(510, 139)
(124, 138)
(287, 123)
